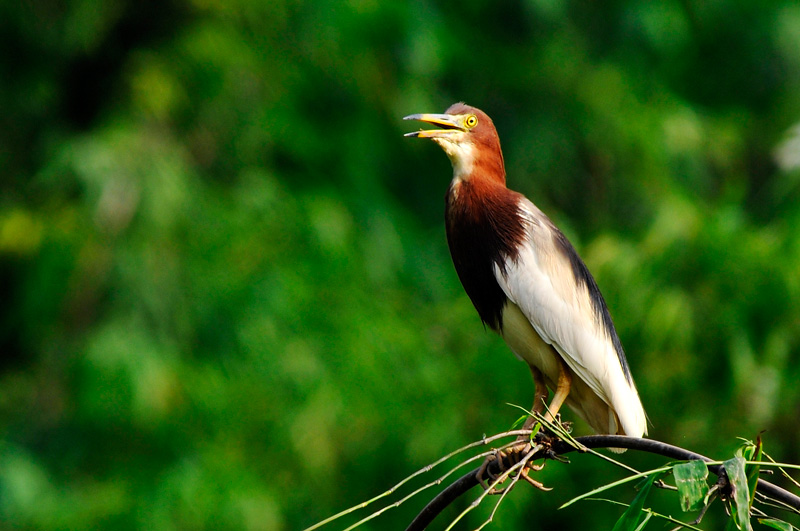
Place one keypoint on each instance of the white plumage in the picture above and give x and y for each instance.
(546, 307)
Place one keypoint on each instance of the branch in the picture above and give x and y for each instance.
(469, 480)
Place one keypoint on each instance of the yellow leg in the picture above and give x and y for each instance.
(539, 397)
(562, 390)
(523, 446)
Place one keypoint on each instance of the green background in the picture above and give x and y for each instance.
(227, 299)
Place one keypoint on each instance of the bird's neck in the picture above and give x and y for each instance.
(478, 191)
(476, 162)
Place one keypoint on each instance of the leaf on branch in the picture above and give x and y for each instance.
(615, 484)
(634, 516)
(752, 451)
(776, 524)
(646, 519)
(690, 478)
(740, 508)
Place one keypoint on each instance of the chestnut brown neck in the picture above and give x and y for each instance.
(484, 229)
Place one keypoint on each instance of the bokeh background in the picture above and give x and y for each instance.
(227, 300)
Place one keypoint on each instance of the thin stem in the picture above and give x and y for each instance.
(468, 481)
(485, 440)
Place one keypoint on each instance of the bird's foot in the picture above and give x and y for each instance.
(538, 484)
(546, 438)
(497, 465)
(565, 424)
(541, 427)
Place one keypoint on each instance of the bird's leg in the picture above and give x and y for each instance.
(539, 400)
(562, 390)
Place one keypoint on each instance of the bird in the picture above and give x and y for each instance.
(528, 283)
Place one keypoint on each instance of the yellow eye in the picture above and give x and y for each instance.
(471, 121)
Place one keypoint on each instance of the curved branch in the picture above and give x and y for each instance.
(469, 480)
(443, 499)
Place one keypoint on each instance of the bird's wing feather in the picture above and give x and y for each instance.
(541, 282)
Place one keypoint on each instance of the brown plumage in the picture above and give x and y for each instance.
(483, 230)
(527, 282)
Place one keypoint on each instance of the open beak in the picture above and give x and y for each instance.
(450, 124)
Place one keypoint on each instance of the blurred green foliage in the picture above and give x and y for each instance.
(227, 297)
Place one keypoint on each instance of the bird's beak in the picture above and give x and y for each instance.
(449, 123)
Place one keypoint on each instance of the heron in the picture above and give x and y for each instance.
(528, 283)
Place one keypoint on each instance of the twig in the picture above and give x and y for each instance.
(469, 480)
(454, 491)
(514, 481)
(675, 452)
(668, 518)
(502, 477)
(485, 440)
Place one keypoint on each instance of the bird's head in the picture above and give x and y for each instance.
(468, 137)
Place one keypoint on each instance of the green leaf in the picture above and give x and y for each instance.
(646, 519)
(519, 422)
(740, 510)
(754, 470)
(776, 524)
(608, 486)
(690, 478)
(634, 517)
